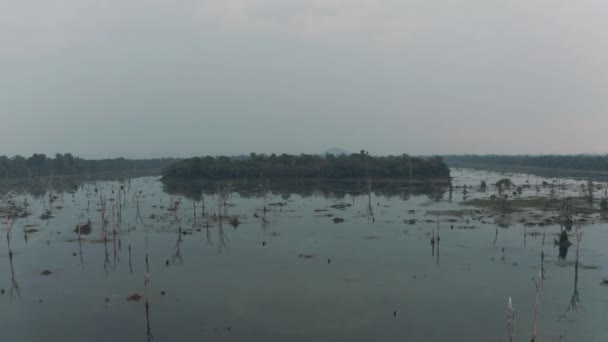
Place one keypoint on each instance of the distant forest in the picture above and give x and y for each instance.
(307, 166)
(596, 163)
(39, 165)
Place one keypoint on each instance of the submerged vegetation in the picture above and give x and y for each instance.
(308, 166)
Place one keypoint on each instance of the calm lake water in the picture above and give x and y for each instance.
(290, 272)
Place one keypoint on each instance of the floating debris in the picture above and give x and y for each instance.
(46, 215)
(341, 206)
(84, 229)
(235, 222)
(134, 297)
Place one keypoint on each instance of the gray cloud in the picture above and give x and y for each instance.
(139, 78)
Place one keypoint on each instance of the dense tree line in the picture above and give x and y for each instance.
(307, 166)
(598, 163)
(39, 165)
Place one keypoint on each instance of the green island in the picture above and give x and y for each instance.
(356, 165)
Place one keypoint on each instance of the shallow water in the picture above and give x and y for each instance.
(291, 273)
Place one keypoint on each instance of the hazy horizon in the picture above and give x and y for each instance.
(142, 79)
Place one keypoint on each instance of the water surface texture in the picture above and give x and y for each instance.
(266, 261)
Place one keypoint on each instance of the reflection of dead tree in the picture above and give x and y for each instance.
(102, 203)
(148, 328)
(80, 245)
(177, 257)
(114, 226)
(437, 238)
(450, 191)
(565, 216)
(15, 288)
(25, 234)
(437, 250)
(206, 218)
(223, 196)
(264, 193)
(370, 210)
(106, 260)
(136, 200)
(88, 204)
(221, 238)
(510, 321)
(542, 254)
(538, 283)
(25, 206)
(124, 193)
(209, 237)
(146, 282)
(130, 263)
(104, 232)
(433, 242)
(174, 208)
(193, 214)
(575, 300)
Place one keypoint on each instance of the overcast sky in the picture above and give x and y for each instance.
(141, 78)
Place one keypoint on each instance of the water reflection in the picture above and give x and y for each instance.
(40, 187)
(176, 258)
(149, 335)
(215, 211)
(80, 250)
(196, 190)
(575, 299)
(130, 263)
(14, 289)
(437, 241)
(148, 328)
(563, 244)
